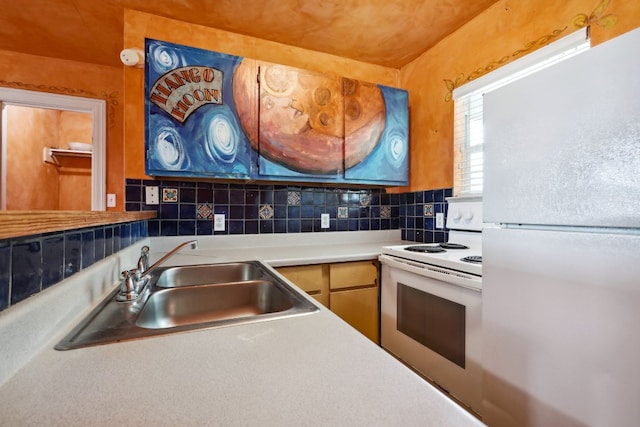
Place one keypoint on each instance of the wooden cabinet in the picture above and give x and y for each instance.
(301, 124)
(349, 289)
(354, 295)
(313, 279)
(353, 274)
(359, 308)
(376, 140)
(213, 115)
(200, 111)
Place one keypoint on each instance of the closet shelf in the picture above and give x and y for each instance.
(51, 155)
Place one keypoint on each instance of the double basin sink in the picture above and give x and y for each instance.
(185, 298)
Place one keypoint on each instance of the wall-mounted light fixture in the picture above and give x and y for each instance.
(132, 57)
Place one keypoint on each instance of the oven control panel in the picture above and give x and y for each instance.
(463, 215)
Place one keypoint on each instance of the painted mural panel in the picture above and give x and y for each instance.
(324, 128)
(301, 124)
(210, 114)
(376, 133)
(193, 126)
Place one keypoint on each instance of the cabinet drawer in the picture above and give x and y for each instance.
(352, 274)
(309, 278)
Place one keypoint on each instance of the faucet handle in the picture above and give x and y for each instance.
(143, 261)
(128, 285)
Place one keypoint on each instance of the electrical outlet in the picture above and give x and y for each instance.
(439, 220)
(324, 220)
(218, 222)
(152, 195)
(111, 200)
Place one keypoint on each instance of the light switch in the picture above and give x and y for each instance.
(218, 222)
(152, 195)
(111, 200)
(324, 220)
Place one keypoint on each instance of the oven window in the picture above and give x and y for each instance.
(435, 322)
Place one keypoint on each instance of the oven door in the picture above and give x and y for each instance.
(434, 325)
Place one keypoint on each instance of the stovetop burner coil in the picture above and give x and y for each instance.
(425, 249)
(475, 259)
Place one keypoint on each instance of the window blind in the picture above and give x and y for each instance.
(468, 135)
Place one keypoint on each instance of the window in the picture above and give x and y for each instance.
(468, 135)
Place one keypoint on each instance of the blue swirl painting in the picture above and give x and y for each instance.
(210, 141)
(202, 120)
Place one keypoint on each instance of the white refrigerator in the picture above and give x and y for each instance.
(561, 243)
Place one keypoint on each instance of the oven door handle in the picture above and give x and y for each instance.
(450, 276)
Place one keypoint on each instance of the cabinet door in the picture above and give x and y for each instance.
(376, 133)
(301, 124)
(200, 111)
(359, 308)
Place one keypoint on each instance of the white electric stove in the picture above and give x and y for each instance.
(431, 304)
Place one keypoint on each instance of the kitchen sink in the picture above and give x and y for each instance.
(187, 298)
(175, 277)
(208, 303)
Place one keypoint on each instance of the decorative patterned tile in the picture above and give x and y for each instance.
(170, 195)
(266, 211)
(385, 212)
(204, 211)
(365, 199)
(293, 198)
(428, 210)
(343, 212)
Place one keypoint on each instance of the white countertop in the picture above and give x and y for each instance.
(280, 250)
(308, 370)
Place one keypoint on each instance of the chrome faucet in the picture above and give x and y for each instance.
(143, 261)
(132, 282)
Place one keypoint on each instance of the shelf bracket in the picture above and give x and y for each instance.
(47, 156)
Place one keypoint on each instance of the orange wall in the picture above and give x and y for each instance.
(33, 184)
(29, 72)
(75, 127)
(139, 25)
(75, 177)
(75, 186)
(503, 29)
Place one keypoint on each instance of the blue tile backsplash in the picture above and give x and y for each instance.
(31, 264)
(27, 269)
(418, 215)
(189, 207)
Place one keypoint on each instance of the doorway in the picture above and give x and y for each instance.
(70, 169)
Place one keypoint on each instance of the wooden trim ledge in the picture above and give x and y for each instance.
(26, 223)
